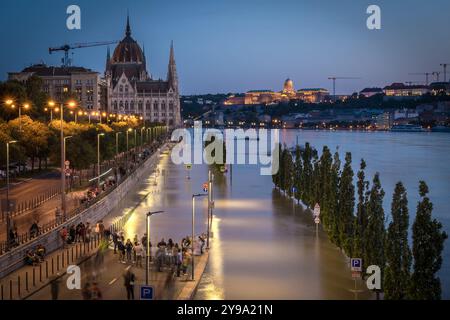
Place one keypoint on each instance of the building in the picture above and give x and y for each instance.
(62, 82)
(313, 95)
(132, 90)
(402, 90)
(384, 121)
(440, 88)
(369, 92)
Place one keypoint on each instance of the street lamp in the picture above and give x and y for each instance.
(148, 253)
(142, 136)
(193, 227)
(65, 143)
(71, 104)
(98, 158)
(117, 143)
(26, 106)
(8, 206)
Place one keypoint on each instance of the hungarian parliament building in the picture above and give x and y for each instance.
(132, 90)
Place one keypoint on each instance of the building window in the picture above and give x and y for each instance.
(126, 105)
(115, 105)
(155, 106)
(140, 106)
(148, 106)
(132, 105)
(121, 88)
(126, 89)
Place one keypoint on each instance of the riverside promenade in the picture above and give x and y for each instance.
(36, 283)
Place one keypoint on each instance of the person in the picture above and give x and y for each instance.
(40, 252)
(202, 246)
(139, 252)
(30, 258)
(63, 234)
(179, 260)
(88, 232)
(86, 292)
(34, 230)
(129, 280)
(121, 248)
(129, 250)
(162, 243)
(96, 294)
(115, 238)
(54, 287)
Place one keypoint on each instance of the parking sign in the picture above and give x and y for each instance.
(147, 293)
(356, 264)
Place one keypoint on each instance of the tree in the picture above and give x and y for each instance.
(332, 202)
(323, 186)
(346, 206)
(361, 212)
(276, 178)
(374, 238)
(398, 253)
(298, 174)
(428, 243)
(307, 175)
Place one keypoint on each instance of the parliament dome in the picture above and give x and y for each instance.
(128, 50)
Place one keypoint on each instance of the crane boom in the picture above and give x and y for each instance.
(67, 47)
(334, 83)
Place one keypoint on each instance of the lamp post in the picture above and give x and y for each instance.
(210, 204)
(71, 104)
(8, 206)
(26, 106)
(148, 253)
(98, 158)
(65, 143)
(193, 228)
(117, 143)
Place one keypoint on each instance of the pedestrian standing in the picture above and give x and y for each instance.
(115, 238)
(129, 281)
(54, 287)
(139, 251)
(129, 250)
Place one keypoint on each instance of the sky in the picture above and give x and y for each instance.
(226, 46)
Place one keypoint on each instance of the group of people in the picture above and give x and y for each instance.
(33, 258)
(175, 256)
(81, 232)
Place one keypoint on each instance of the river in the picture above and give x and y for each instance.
(264, 245)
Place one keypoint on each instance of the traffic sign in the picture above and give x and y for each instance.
(356, 264)
(223, 169)
(147, 293)
(317, 220)
(356, 274)
(205, 187)
(188, 166)
(317, 210)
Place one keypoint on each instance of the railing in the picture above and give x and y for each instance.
(33, 203)
(35, 277)
(55, 223)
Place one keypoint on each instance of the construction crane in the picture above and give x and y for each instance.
(426, 74)
(334, 83)
(67, 47)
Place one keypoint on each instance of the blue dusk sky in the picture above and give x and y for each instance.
(239, 45)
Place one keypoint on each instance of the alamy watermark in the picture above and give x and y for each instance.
(207, 147)
(374, 20)
(73, 22)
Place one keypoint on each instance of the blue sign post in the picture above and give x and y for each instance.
(147, 293)
(356, 264)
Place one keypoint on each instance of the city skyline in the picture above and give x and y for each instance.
(234, 41)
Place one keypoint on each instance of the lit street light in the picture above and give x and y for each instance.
(193, 227)
(8, 205)
(148, 253)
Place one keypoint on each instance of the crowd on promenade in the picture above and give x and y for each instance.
(171, 255)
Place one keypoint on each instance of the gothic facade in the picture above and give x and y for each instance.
(131, 90)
